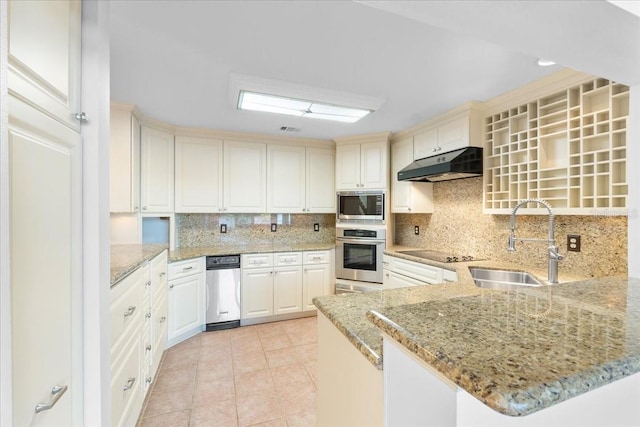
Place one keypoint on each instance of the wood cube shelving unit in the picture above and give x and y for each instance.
(568, 148)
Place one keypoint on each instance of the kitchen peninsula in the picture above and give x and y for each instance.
(562, 355)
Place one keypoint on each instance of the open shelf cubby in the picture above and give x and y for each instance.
(568, 148)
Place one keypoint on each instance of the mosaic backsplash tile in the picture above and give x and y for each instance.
(195, 230)
(459, 226)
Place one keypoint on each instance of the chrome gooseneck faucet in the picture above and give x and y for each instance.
(554, 256)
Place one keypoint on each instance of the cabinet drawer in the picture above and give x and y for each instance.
(317, 257)
(257, 260)
(419, 271)
(126, 308)
(181, 269)
(126, 383)
(287, 258)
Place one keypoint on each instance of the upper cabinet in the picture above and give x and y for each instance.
(124, 154)
(157, 173)
(567, 147)
(408, 196)
(245, 186)
(362, 162)
(199, 174)
(320, 180)
(458, 128)
(286, 179)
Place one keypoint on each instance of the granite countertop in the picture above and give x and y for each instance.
(195, 252)
(125, 259)
(517, 351)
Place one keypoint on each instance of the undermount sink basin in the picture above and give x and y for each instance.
(504, 280)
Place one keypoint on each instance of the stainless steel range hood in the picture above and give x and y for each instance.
(457, 164)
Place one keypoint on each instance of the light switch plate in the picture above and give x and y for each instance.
(274, 227)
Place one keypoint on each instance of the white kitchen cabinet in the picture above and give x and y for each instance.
(124, 157)
(400, 272)
(286, 187)
(157, 170)
(245, 184)
(186, 303)
(320, 180)
(257, 292)
(457, 129)
(287, 289)
(316, 281)
(157, 317)
(408, 196)
(391, 280)
(198, 174)
(362, 166)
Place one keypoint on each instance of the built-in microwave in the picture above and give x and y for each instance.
(360, 205)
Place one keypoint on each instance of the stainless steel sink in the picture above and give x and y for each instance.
(504, 280)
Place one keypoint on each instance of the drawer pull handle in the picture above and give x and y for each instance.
(148, 315)
(317, 258)
(223, 312)
(148, 348)
(56, 393)
(163, 318)
(129, 385)
(187, 268)
(129, 311)
(163, 274)
(148, 283)
(148, 380)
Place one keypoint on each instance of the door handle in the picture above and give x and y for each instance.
(56, 393)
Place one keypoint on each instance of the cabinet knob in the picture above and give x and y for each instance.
(170, 286)
(129, 311)
(163, 318)
(144, 208)
(148, 315)
(148, 283)
(135, 208)
(163, 273)
(148, 348)
(148, 380)
(434, 150)
(129, 385)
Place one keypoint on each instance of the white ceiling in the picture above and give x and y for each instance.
(173, 59)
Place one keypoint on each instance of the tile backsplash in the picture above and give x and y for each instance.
(194, 230)
(458, 226)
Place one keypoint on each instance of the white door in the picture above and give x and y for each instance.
(315, 283)
(287, 290)
(245, 173)
(198, 174)
(285, 179)
(44, 209)
(374, 165)
(157, 170)
(321, 184)
(186, 305)
(257, 292)
(348, 167)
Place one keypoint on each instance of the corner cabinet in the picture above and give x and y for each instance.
(198, 174)
(124, 159)
(362, 162)
(568, 147)
(408, 196)
(245, 187)
(157, 170)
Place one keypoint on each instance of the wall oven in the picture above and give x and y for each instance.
(359, 253)
(361, 206)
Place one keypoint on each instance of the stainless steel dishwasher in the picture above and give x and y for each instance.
(223, 292)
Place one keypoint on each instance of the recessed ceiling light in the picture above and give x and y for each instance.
(545, 62)
(299, 107)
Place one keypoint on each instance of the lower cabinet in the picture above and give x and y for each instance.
(283, 282)
(186, 303)
(400, 273)
(137, 343)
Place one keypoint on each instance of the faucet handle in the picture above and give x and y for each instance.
(511, 245)
(554, 254)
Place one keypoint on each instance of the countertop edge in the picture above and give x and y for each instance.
(182, 254)
(151, 252)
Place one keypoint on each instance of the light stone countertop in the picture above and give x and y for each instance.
(125, 259)
(517, 351)
(195, 252)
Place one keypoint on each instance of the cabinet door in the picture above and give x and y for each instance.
(393, 280)
(321, 184)
(257, 292)
(186, 305)
(285, 179)
(287, 290)
(245, 183)
(374, 167)
(198, 183)
(124, 155)
(156, 180)
(407, 196)
(454, 134)
(316, 280)
(425, 144)
(348, 167)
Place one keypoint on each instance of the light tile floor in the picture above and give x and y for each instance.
(260, 375)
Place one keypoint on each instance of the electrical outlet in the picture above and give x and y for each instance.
(416, 230)
(573, 242)
(316, 227)
(223, 228)
(274, 228)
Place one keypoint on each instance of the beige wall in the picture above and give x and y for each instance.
(458, 226)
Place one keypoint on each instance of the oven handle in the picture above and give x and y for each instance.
(356, 240)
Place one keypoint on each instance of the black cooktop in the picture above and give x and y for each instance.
(439, 256)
